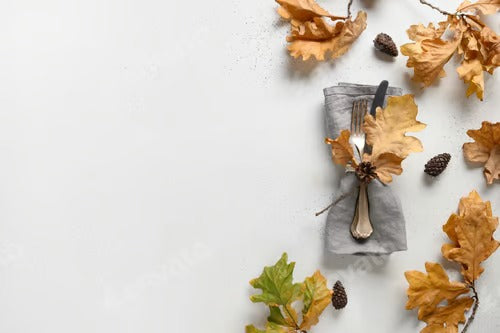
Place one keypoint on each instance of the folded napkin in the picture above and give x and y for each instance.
(389, 232)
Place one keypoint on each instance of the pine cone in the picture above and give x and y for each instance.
(437, 164)
(384, 43)
(339, 297)
(366, 172)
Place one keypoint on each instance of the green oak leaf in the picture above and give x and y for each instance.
(276, 284)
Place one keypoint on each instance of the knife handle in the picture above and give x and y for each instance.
(361, 227)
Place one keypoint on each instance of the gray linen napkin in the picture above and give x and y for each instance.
(389, 232)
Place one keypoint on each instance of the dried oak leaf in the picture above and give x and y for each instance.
(386, 134)
(342, 152)
(426, 291)
(471, 233)
(448, 317)
(317, 296)
(316, 38)
(485, 7)
(429, 53)
(302, 10)
(485, 149)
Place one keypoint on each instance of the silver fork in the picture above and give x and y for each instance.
(361, 227)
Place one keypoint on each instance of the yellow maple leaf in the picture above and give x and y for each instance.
(435, 328)
(317, 39)
(317, 296)
(471, 71)
(386, 133)
(485, 7)
(426, 291)
(471, 232)
(342, 152)
(485, 149)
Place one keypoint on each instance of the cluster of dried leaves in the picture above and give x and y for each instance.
(280, 293)
(312, 35)
(485, 149)
(477, 45)
(386, 134)
(471, 235)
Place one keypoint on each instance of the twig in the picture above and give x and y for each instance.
(474, 309)
(349, 8)
(332, 204)
(444, 12)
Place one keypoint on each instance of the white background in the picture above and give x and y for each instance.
(157, 154)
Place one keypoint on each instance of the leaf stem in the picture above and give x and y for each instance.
(474, 308)
(444, 12)
(349, 8)
(297, 327)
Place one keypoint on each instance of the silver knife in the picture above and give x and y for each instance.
(378, 100)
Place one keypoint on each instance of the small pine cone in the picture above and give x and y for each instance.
(437, 164)
(366, 172)
(339, 297)
(384, 43)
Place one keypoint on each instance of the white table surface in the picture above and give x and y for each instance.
(157, 154)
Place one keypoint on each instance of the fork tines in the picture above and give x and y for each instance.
(359, 110)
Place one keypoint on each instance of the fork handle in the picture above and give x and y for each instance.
(361, 227)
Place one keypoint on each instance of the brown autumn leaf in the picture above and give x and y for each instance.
(449, 315)
(485, 7)
(426, 291)
(318, 39)
(342, 152)
(489, 48)
(386, 133)
(485, 149)
(471, 71)
(473, 40)
(428, 55)
(302, 10)
(471, 233)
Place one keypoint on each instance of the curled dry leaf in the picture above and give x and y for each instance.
(342, 152)
(485, 149)
(302, 10)
(471, 233)
(485, 7)
(312, 36)
(279, 293)
(473, 40)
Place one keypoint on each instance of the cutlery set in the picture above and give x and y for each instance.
(361, 227)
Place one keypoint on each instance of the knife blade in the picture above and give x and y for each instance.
(379, 98)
